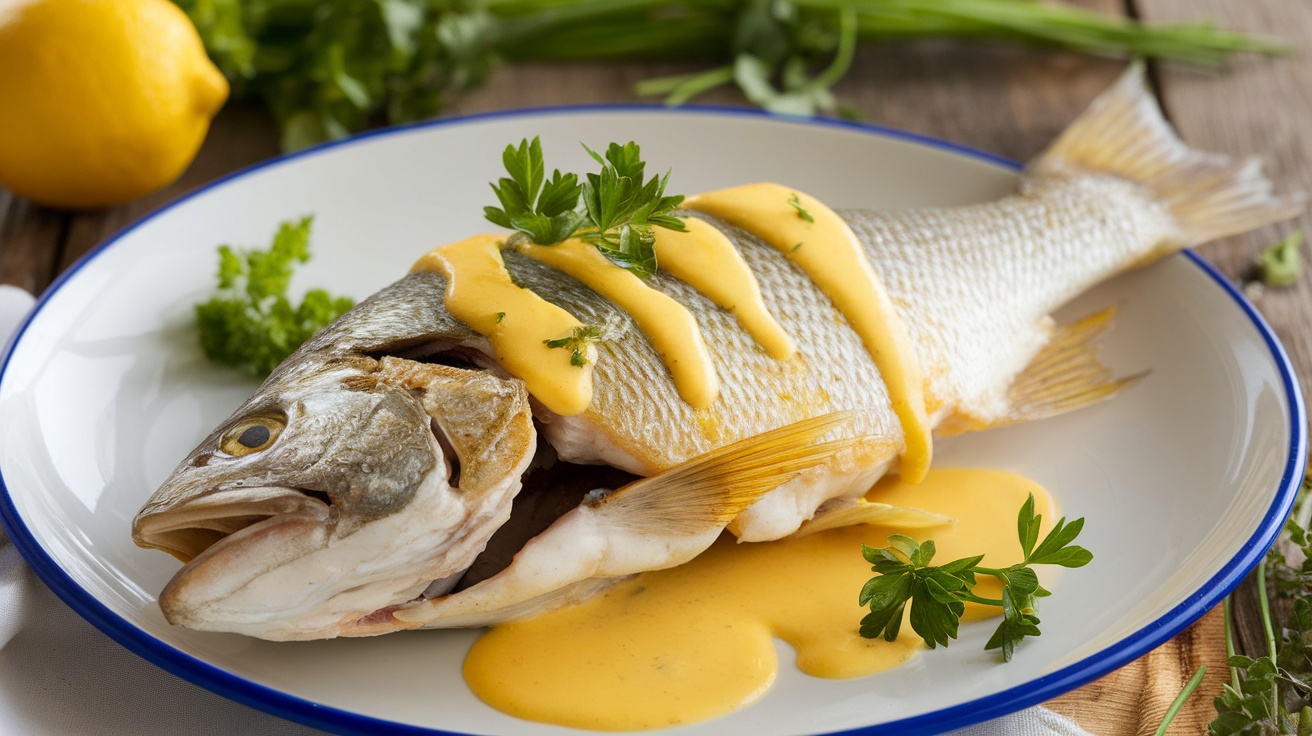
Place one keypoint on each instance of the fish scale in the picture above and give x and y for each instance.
(636, 405)
(1011, 263)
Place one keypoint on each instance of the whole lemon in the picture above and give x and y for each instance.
(101, 101)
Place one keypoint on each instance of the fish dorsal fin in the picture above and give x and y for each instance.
(711, 489)
(870, 512)
(1065, 375)
(486, 419)
(1208, 195)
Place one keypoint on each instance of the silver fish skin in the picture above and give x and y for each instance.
(282, 542)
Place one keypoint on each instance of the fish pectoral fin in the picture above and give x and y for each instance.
(486, 419)
(1065, 375)
(708, 491)
(653, 523)
(870, 512)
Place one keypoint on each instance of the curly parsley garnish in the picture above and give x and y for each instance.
(577, 343)
(249, 322)
(938, 594)
(619, 206)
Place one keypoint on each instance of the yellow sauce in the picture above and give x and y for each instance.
(706, 260)
(669, 327)
(518, 323)
(828, 251)
(515, 321)
(696, 641)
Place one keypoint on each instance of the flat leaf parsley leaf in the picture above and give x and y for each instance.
(938, 595)
(249, 322)
(542, 209)
(618, 211)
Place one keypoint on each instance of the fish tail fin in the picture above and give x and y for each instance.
(711, 489)
(1209, 195)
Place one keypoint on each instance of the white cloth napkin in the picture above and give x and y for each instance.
(59, 676)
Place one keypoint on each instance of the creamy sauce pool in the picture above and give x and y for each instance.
(696, 641)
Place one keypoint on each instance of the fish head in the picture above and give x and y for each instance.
(335, 491)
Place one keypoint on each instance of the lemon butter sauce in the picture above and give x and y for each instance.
(518, 323)
(696, 641)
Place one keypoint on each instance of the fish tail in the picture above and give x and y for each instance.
(1209, 195)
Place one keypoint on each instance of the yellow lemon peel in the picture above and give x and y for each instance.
(104, 100)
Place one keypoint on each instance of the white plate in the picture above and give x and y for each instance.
(1185, 479)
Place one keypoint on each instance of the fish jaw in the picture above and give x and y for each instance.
(349, 508)
(291, 577)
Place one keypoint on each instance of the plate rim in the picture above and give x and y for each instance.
(300, 710)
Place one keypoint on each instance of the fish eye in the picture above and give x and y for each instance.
(252, 434)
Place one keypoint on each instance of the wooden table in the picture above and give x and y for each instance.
(1004, 100)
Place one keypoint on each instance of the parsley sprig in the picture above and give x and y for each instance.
(938, 595)
(249, 322)
(618, 211)
(545, 210)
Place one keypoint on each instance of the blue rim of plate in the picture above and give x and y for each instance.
(1034, 692)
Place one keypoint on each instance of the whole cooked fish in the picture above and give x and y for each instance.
(356, 492)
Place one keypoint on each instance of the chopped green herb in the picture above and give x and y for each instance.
(797, 247)
(938, 594)
(619, 208)
(1279, 265)
(500, 316)
(249, 322)
(577, 343)
(801, 211)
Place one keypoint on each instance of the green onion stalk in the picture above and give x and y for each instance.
(326, 70)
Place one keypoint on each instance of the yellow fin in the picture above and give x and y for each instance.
(1064, 376)
(711, 489)
(869, 512)
(1124, 134)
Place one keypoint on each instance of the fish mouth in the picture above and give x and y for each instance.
(189, 529)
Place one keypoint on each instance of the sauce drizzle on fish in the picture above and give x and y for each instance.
(808, 233)
(481, 294)
(829, 252)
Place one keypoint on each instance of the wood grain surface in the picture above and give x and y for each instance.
(1000, 99)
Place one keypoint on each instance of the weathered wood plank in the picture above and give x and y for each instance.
(1133, 700)
(30, 240)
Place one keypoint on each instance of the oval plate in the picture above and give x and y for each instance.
(1185, 479)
